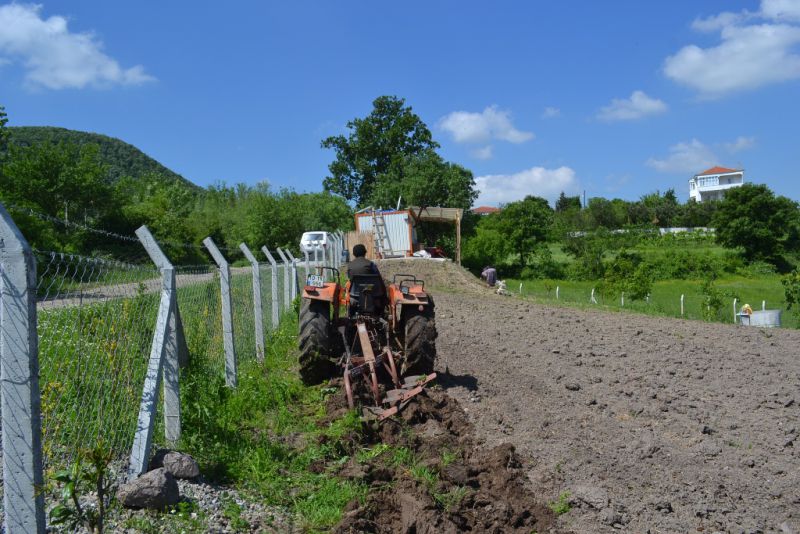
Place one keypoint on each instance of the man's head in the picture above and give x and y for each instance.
(359, 251)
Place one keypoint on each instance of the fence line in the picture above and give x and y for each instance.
(686, 305)
(109, 335)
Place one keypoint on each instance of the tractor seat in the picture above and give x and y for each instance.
(367, 294)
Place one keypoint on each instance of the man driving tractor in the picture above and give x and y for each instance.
(361, 266)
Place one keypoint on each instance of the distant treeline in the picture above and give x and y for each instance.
(48, 175)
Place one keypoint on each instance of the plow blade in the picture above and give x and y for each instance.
(397, 399)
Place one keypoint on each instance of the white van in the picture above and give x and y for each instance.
(314, 240)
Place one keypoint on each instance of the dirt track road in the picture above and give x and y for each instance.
(652, 424)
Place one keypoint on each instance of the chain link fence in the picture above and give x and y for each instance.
(96, 320)
(88, 342)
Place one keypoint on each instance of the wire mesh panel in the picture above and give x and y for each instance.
(200, 303)
(243, 313)
(96, 320)
(266, 295)
(281, 284)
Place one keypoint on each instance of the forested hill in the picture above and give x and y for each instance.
(122, 158)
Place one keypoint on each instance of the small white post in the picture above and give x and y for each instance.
(622, 300)
(647, 298)
(681, 305)
(734, 310)
(763, 305)
(593, 300)
(520, 288)
(558, 289)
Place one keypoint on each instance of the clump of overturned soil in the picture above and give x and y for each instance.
(437, 274)
(431, 476)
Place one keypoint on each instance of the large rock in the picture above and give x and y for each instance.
(181, 465)
(155, 490)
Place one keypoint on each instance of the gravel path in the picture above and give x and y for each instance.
(652, 424)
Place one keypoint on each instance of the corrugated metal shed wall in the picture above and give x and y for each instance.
(397, 227)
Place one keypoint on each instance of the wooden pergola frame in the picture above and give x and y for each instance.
(437, 214)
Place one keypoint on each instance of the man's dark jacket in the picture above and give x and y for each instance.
(361, 266)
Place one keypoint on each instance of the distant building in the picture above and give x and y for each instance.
(711, 184)
(484, 210)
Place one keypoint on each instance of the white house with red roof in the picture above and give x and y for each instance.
(711, 184)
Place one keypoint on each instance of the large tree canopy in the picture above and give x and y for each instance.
(426, 180)
(762, 224)
(377, 144)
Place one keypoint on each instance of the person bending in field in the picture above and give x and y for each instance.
(490, 275)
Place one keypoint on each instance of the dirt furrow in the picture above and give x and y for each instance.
(651, 424)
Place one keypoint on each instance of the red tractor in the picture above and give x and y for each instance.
(366, 326)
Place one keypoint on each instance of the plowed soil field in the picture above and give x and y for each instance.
(650, 424)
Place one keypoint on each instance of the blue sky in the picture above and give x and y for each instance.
(615, 98)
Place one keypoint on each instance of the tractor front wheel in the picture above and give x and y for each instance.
(315, 342)
(420, 341)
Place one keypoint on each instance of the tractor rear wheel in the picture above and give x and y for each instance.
(419, 340)
(315, 342)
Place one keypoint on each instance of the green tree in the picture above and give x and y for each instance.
(764, 225)
(60, 180)
(609, 214)
(526, 224)
(488, 246)
(377, 144)
(426, 180)
(565, 203)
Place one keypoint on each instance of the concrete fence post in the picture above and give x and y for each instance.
(763, 305)
(558, 289)
(227, 312)
(276, 312)
(156, 368)
(287, 300)
(293, 275)
(682, 304)
(622, 300)
(592, 299)
(258, 312)
(172, 352)
(734, 310)
(20, 402)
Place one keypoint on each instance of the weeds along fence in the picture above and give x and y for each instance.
(91, 350)
(688, 301)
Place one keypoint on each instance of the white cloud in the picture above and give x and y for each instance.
(551, 113)
(485, 152)
(750, 54)
(691, 157)
(491, 123)
(739, 144)
(498, 189)
(785, 10)
(639, 105)
(55, 58)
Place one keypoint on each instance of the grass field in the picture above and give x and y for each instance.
(665, 297)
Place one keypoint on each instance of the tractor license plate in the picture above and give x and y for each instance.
(315, 280)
